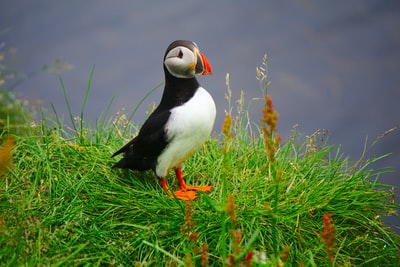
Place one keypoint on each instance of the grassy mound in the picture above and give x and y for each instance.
(295, 203)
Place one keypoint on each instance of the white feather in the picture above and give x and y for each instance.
(179, 66)
(187, 129)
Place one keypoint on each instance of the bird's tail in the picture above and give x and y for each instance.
(122, 164)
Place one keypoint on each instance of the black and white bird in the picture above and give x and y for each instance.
(179, 125)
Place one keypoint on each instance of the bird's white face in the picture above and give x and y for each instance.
(183, 62)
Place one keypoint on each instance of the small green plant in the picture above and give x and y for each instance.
(16, 112)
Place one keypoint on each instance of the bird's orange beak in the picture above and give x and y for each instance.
(203, 67)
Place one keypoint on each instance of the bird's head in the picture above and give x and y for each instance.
(183, 59)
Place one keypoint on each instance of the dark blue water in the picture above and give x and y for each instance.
(334, 65)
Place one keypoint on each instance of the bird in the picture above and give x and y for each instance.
(179, 125)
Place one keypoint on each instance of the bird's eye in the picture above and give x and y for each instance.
(180, 54)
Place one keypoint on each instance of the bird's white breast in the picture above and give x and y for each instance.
(187, 129)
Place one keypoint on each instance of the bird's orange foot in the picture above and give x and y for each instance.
(202, 188)
(185, 195)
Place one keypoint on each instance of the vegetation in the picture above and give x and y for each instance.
(14, 112)
(297, 202)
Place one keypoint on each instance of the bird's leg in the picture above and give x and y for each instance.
(163, 183)
(179, 176)
(181, 194)
(184, 187)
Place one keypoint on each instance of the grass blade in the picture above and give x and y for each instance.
(84, 103)
(141, 102)
(164, 252)
(71, 116)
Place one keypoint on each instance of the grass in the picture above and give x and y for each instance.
(297, 202)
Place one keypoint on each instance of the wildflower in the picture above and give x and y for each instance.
(238, 239)
(262, 72)
(270, 120)
(230, 209)
(328, 236)
(228, 95)
(227, 131)
(193, 236)
(6, 154)
(270, 116)
(188, 225)
(248, 258)
(204, 255)
(285, 254)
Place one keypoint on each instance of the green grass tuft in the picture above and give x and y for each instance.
(61, 205)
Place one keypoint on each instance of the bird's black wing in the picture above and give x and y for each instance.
(141, 152)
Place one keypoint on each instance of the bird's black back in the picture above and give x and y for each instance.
(141, 153)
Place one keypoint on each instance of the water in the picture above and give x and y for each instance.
(333, 65)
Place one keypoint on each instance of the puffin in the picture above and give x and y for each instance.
(180, 124)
